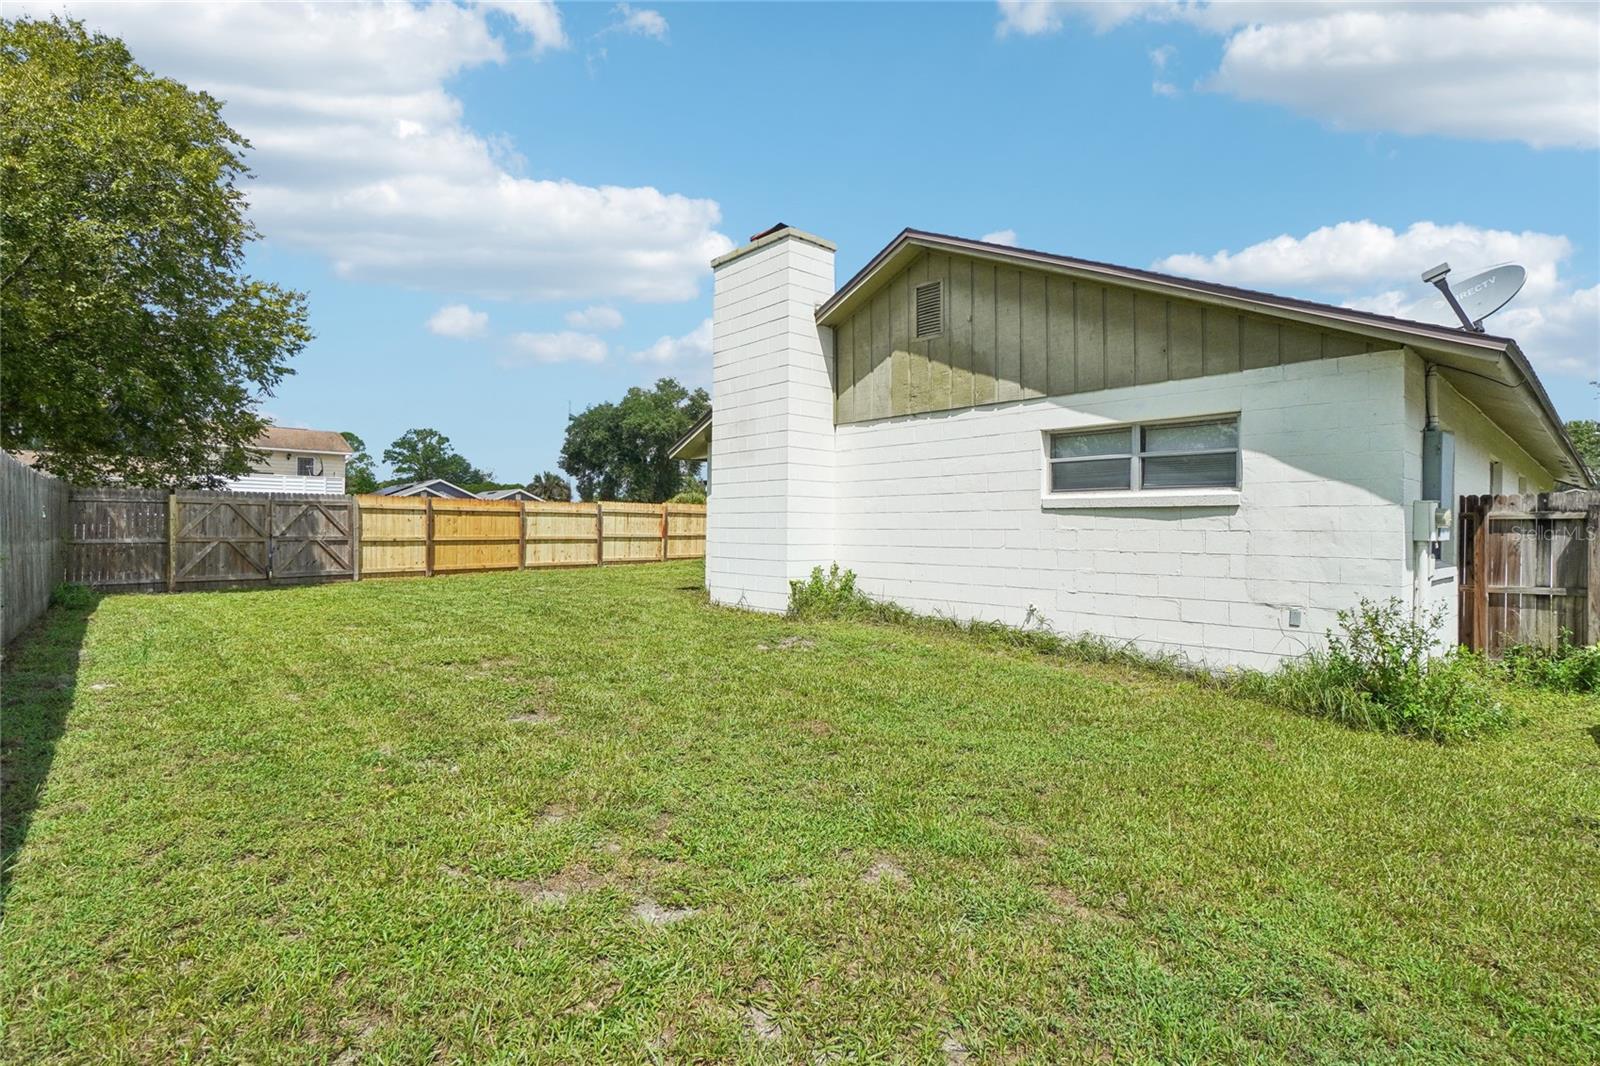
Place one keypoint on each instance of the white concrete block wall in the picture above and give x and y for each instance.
(943, 513)
(770, 517)
(1479, 442)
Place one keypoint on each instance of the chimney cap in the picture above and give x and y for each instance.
(769, 231)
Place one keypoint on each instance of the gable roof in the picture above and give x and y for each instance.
(509, 494)
(435, 486)
(289, 439)
(1491, 371)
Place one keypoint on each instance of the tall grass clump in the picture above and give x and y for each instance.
(1568, 667)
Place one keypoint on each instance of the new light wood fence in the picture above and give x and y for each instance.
(407, 536)
(33, 548)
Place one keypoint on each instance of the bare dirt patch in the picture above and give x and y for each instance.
(555, 813)
(1068, 903)
(955, 1050)
(789, 644)
(535, 717)
(762, 1024)
(558, 888)
(650, 912)
(816, 727)
(885, 869)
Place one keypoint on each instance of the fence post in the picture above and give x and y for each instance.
(427, 565)
(1592, 528)
(172, 541)
(522, 534)
(665, 507)
(599, 534)
(354, 526)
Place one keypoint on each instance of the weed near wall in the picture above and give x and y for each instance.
(1378, 673)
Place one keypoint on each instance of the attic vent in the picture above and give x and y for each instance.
(930, 309)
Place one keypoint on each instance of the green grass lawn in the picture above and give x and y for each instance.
(584, 816)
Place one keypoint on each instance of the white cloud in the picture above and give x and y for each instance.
(1164, 88)
(563, 347)
(363, 156)
(696, 344)
(1001, 236)
(1502, 71)
(1160, 57)
(1375, 268)
(640, 21)
(538, 18)
(458, 321)
(597, 317)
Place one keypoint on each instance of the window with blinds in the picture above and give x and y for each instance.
(1173, 455)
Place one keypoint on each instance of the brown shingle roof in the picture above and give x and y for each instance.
(285, 439)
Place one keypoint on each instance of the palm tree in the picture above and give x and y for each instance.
(550, 486)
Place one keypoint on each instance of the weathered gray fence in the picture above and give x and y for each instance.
(1530, 570)
(33, 516)
(154, 540)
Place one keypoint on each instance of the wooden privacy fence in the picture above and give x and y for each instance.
(152, 540)
(411, 536)
(149, 539)
(1530, 570)
(32, 554)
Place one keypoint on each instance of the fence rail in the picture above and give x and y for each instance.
(152, 540)
(32, 553)
(1530, 570)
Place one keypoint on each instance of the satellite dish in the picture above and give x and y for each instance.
(1483, 294)
(1478, 297)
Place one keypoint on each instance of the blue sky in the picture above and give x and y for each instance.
(523, 163)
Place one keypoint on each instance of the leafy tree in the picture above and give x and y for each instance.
(550, 486)
(135, 345)
(1585, 433)
(360, 475)
(421, 454)
(618, 451)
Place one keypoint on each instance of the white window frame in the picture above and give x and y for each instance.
(1138, 494)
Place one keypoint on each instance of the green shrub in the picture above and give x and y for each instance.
(73, 597)
(1569, 668)
(834, 595)
(1378, 673)
(689, 496)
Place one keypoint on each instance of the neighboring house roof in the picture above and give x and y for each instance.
(696, 443)
(437, 486)
(1491, 371)
(509, 494)
(289, 439)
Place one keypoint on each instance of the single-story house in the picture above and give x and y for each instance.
(509, 494)
(437, 487)
(305, 461)
(987, 432)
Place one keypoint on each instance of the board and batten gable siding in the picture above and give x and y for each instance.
(1013, 333)
(943, 515)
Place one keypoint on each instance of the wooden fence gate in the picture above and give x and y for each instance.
(150, 539)
(1530, 570)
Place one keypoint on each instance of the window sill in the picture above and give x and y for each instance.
(1127, 498)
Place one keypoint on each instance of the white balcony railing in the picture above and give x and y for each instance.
(309, 486)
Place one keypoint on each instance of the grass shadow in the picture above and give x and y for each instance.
(37, 681)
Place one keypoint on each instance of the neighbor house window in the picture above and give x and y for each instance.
(1170, 455)
(305, 467)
